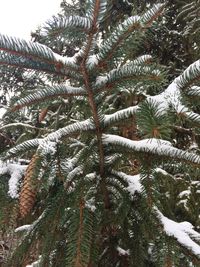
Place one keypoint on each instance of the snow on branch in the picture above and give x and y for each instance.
(132, 70)
(70, 129)
(117, 36)
(194, 91)
(15, 171)
(120, 115)
(48, 93)
(190, 75)
(26, 227)
(22, 125)
(23, 147)
(88, 125)
(35, 263)
(148, 17)
(123, 252)
(134, 182)
(144, 59)
(16, 60)
(96, 11)
(183, 232)
(61, 24)
(192, 116)
(33, 51)
(153, 146)
(172, 95)
(47, 147)
(128, 68)
(125, 29)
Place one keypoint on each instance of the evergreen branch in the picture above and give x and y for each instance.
(78, 257)
(183, 233)
(93, 13)
(80, 236)
(49, 93)
(141, 60)
(193, 91)
(188, 8)
(73, 174)
(23, 125)
(172, 95)
(28, 63)
(152, 120)
(192, 117)
(120, 115)
(137, 63)
(15, 171)
(152, 14)
(184, 112)
(124, 30)
(47, 147)
(60, 25)
(88, 85)
(133, 181)
(156, 147)
(96, 11)
(34, 51)
(23, 147)
(25, 243)
(71, 129)
(189, 76)
(129, 71)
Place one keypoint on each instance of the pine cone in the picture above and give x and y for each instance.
(28, 191)
(43, 114)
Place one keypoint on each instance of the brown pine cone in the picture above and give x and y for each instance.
(28, 191)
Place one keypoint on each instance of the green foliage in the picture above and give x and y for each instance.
(152, 120)
(88, 211)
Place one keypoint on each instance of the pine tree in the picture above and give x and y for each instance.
(100, 198)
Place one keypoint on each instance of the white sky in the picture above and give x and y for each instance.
(20, 17)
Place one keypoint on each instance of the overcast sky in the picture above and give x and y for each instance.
(20, 17)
